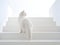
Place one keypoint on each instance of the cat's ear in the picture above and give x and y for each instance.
(23, 11)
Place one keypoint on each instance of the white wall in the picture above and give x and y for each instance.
(33, 8)
(3, 13)
(55, 11)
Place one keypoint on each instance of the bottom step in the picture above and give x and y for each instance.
(29, 42)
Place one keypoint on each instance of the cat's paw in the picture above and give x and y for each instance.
(22, 31)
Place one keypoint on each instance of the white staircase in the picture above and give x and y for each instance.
(45, 32)
(39, 25)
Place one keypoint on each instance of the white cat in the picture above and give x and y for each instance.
(25, 24)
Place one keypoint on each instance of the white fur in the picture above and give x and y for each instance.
(25, 26)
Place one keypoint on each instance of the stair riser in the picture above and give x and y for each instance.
(29, 43)
(35, 36)
(46, 36)
(35, 29)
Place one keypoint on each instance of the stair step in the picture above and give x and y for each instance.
(46, 36)
(35, 36)
(45, 29)
(39, 25)
(30, 42)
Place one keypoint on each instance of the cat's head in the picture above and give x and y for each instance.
(22, 13)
